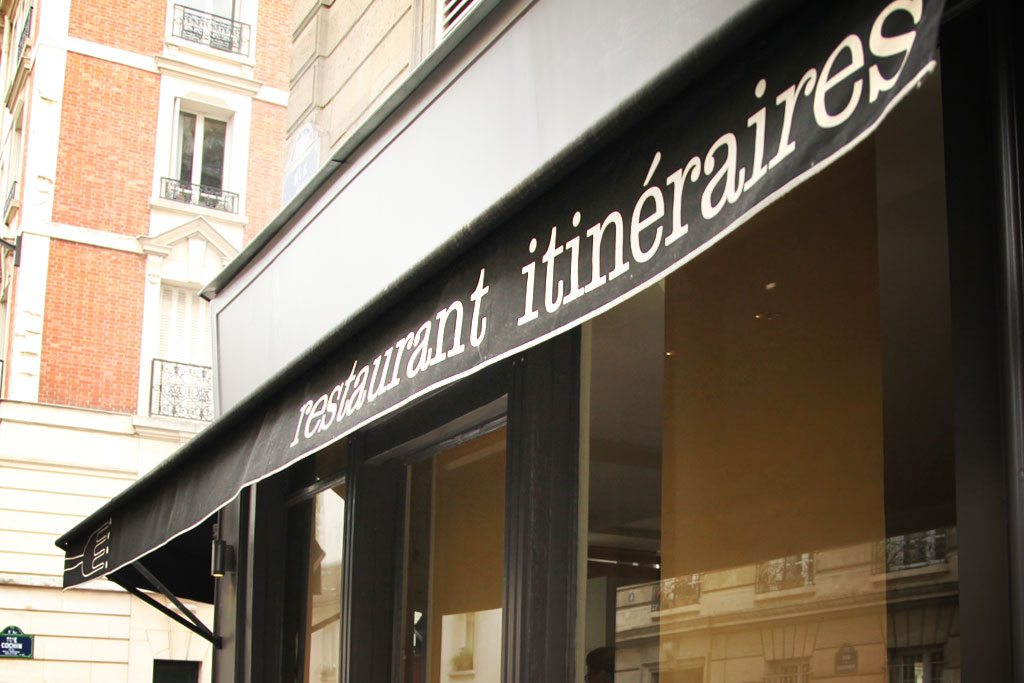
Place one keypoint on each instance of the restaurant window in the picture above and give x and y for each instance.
(451, 611)
(315, 548)
(767, 465)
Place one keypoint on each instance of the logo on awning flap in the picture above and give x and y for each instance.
(93, 558)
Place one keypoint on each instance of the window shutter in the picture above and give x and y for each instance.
(184, 327)
(450, 13)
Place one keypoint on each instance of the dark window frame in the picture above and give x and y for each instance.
(536, 396)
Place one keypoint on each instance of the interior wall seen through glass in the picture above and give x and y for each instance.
(769, 489)
(454, 563)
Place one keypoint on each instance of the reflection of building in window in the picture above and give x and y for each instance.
(465, 626)
(787, 671)
(912, 551)
(182, 384)
(690, 674)
(677, 591)
(786, 572)
(922, 666)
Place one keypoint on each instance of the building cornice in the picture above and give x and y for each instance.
(175, 67)
(102, 421)
(88, 236)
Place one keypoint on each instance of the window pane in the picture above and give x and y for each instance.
(223, 8)
(175, 671)
(315, 537)
(323, 606)
(768, 439)
(214, 133)
(186, 145)
(452, 611)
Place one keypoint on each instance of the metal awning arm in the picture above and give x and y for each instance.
(189, 620)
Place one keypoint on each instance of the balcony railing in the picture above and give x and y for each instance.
(181, 390)
(788, 672)
(211, 30)
(677, 591)
(26, 30)
(785, 572)
(199, 195)
(910, 551)
(9, 203)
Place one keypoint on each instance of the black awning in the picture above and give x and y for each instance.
(658, 195)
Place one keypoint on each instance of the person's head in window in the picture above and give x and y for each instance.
(600, 665)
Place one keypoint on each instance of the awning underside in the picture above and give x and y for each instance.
(183, 566)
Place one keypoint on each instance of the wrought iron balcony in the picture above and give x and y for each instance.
(793, 571)
(788, 672)
(181, 390)
(677, 591)
(910, 551)
(220, 33)
(26, 30)
(200, 195)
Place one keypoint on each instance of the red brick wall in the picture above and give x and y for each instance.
(273, 41)
(106, 148)
(266, 165)
(136, 25)
(92, 331)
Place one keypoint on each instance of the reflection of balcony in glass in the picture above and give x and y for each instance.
(910, 551)
(220, 33)
(200, 195)
(788, 671)
(677, 591)
(923, 665)
(785, 572)
(182, 390)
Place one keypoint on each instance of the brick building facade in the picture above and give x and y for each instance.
(141, 147)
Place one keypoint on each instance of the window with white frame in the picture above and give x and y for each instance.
(198, 173)
(182, 376)
(222, 8)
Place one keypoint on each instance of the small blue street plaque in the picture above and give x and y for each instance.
(14, 643)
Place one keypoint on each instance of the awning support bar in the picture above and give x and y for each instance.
(189, 620)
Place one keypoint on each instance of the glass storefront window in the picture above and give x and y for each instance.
(316, 521)
(324, 586)
(454, 559)
(767, 456)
